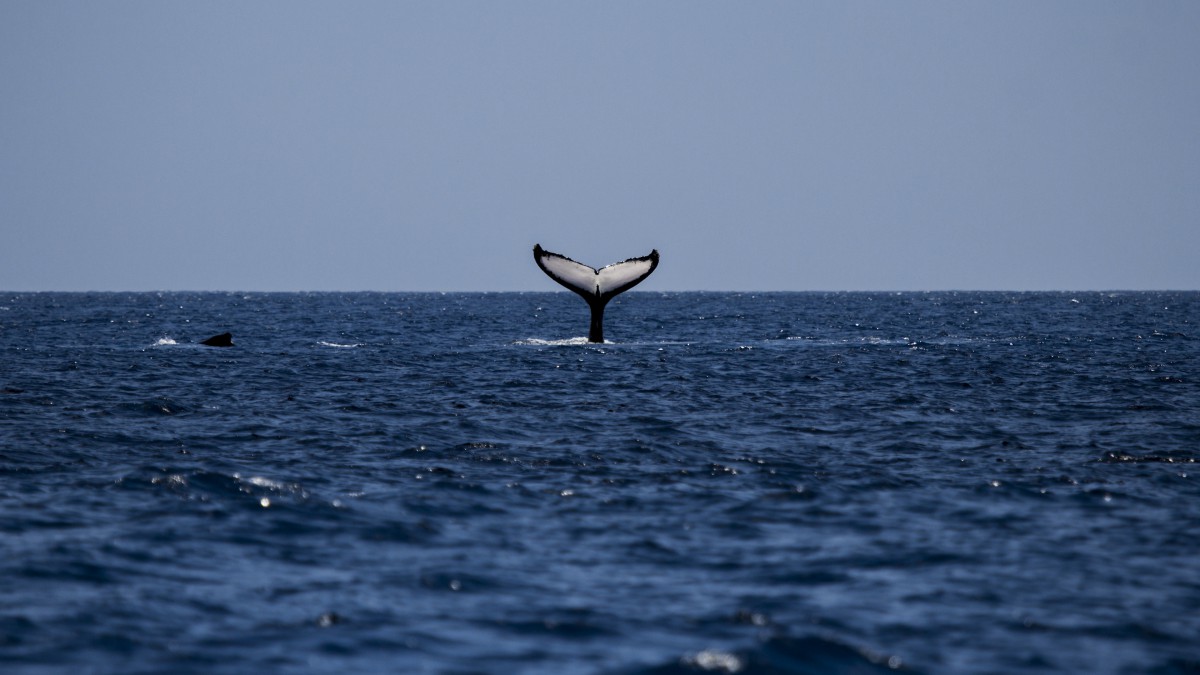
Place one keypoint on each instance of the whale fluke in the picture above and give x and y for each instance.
(222, 340)
(595, 286)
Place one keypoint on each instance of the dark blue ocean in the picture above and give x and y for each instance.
(457, 483)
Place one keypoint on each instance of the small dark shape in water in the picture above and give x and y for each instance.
(222, 340)
(328, 619)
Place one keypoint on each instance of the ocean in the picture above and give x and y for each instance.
(458, 483)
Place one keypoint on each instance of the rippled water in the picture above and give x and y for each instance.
(813, 483)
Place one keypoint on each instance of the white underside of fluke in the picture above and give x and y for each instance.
(585, 280)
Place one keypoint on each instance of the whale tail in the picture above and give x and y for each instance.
(595, 286)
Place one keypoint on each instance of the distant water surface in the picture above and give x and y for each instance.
(454, 483)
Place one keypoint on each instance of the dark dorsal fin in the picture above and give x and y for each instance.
(222, 340)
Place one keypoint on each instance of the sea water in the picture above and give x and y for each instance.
(777, 482)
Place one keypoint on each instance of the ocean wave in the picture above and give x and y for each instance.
(807, 655)
(445, 501)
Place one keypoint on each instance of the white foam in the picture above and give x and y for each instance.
(339, 346)
(164, 341)
(716, 661)
(538, 342)
(260, 481)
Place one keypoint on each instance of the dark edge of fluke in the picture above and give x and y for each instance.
(593, 295)
(222, 340)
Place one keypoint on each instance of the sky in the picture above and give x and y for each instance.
(427, 146)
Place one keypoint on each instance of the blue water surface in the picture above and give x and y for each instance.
(458, 483)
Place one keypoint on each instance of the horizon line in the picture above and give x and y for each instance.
(640, 292)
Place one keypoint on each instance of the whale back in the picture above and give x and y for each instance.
(222, 340)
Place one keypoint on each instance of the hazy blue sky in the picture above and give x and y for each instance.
(758, 145)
